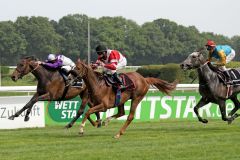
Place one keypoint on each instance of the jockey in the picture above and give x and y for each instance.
(60, 61)
(111, 61)
(223, 53)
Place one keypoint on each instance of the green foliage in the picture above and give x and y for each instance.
(233, 64)
(11, 43)
(159, 42)
(4, 70)
(169, 72)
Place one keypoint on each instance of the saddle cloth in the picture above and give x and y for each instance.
(127, 82)
(234, 75)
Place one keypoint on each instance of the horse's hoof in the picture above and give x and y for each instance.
(117, 136)
(103, 123)
(26, 119)
(99, 125)
(11, 117)
(80, 134)
(68, 126)
(204, 121)
(230, 122)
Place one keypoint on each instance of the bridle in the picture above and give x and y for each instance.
(21, 71)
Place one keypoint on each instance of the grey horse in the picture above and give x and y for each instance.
(210, 87)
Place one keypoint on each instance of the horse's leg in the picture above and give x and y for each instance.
(99, 121)
(120, 113)
(200, 104)
(40, 98)
(79, 113)
(236, 107)
(28, 105)
(97, 108)
(222, 106)
(134, 105)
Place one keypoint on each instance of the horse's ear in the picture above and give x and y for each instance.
(79, 60)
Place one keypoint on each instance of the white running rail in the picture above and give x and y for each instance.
(181, 87)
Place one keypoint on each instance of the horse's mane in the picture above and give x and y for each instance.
(50, 69)
(98, 75)
(212, 67)
(30, 58)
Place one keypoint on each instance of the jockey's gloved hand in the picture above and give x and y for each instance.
(40, 62)
(93, 66)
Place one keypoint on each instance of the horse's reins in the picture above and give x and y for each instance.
(198, 68)
(35, 67)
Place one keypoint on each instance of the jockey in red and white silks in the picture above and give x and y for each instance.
(114, 61)
(110, 60)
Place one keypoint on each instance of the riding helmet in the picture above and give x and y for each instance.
(101, 48)
(51, 57)
(210, 43)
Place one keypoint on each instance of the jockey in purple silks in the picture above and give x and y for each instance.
(60, 62)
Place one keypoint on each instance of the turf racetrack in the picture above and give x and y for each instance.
(161, 140)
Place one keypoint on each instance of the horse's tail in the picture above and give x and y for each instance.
(162, 85)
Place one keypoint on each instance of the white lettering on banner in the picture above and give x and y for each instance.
(229, 107)
(68, 114)
(189, 107)
(7, 112)
(205, 109)
(37, 118)
(110, 112)
(166, 107)
(153, 105)
(66, 105)
(179, 100)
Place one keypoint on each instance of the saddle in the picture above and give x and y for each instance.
(71, 81)
(234, 75)
(126, 81)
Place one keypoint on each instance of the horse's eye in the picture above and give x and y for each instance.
(194, 56)
(20, 65)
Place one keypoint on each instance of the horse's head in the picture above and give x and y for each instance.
(193, 61)
(25, 66)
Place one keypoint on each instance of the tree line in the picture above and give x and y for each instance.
(158, 42)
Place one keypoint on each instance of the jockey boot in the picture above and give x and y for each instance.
(228, 77)
(75, 80)
(64, 75)
(118, 80)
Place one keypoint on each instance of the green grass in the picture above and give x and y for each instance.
(164, 139)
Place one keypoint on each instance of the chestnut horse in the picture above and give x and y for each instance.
(50, 87)
(103, 96)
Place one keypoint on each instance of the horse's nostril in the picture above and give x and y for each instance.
(13, 78)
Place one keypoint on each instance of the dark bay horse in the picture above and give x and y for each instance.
(103, 96)
(50, 87)
(210, 87)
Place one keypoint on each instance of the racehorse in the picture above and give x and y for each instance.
(50, 87)
(210, 87)
(103, 96)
